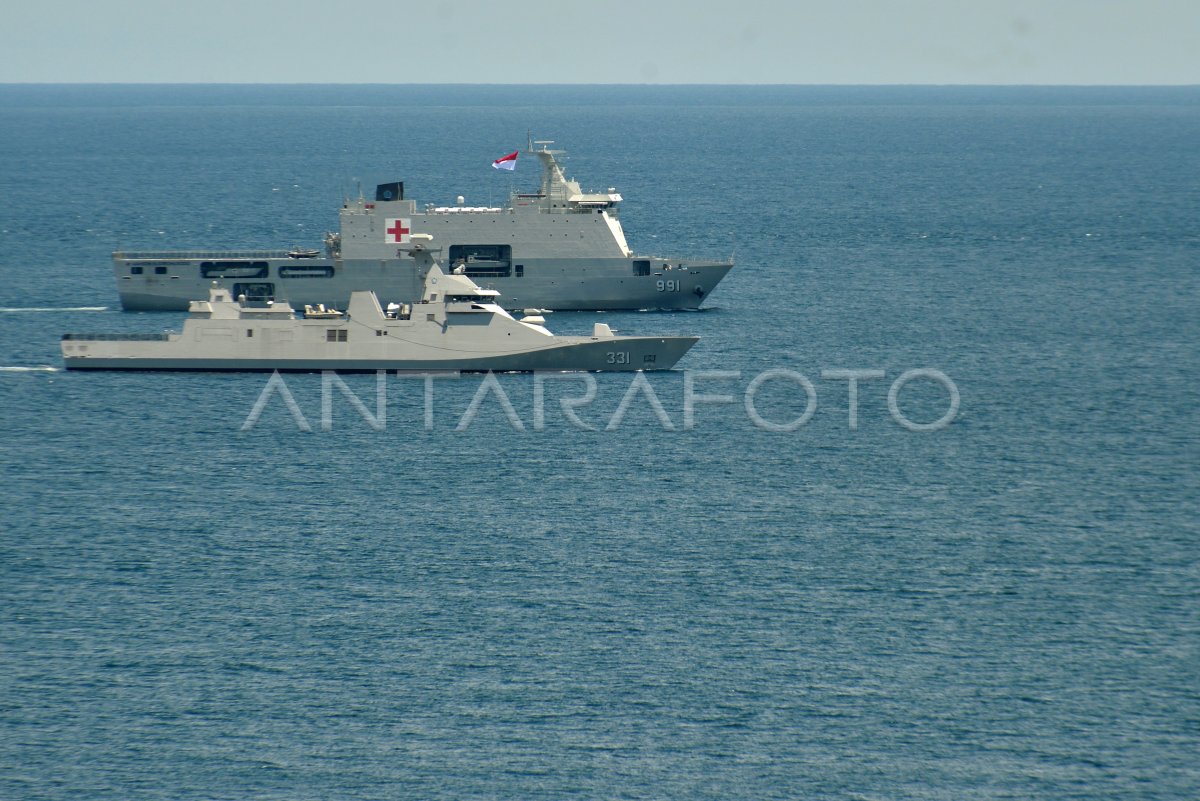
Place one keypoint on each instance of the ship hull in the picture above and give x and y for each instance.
(567, 354)
(598, 284)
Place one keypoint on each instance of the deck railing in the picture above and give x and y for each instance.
(201, 254)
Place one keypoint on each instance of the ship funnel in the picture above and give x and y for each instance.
(387, 192)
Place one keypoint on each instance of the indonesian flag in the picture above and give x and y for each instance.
(508, 162)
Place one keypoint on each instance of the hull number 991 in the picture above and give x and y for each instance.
(671, 285)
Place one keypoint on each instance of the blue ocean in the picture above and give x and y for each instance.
(918, 518)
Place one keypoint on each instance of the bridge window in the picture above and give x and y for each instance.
(256, 293)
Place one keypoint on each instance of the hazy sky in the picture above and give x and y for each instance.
(602, 41)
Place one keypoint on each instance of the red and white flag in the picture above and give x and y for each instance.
(508, 162)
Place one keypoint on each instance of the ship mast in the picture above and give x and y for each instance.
(555, 186)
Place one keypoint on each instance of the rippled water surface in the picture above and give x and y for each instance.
(1005, 607)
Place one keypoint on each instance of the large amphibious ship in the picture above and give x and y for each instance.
(556, 248)
(454, 325)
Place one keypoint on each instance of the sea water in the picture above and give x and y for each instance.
(706, 585)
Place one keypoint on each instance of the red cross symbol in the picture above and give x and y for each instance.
(397, 230)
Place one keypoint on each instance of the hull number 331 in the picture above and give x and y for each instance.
(617, 357)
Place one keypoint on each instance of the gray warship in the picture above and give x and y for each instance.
(557, 248)
(454, 325)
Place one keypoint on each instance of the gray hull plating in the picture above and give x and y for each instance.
(601, 286)
(570, 356)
